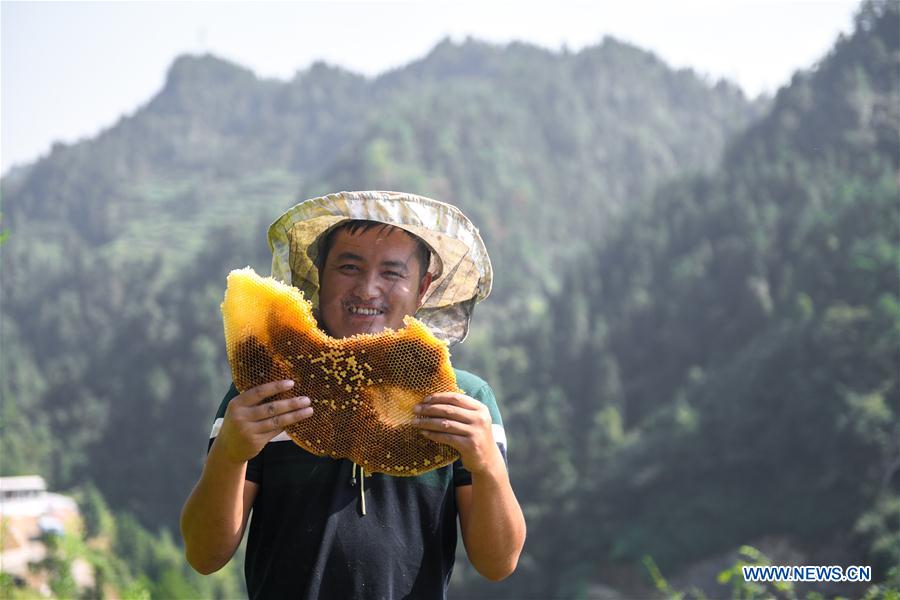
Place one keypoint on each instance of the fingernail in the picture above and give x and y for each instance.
(417, 408)
(287, 383)
(304, 401)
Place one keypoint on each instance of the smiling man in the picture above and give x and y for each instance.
(369, 282)
(366, 260)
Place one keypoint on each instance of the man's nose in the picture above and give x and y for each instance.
(367, 286)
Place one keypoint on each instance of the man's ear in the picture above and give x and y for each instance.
(423, 286)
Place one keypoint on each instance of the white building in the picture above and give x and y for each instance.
(27, 513)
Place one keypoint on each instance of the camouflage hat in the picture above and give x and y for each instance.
(460, 265)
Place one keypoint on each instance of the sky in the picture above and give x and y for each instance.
(68, 70)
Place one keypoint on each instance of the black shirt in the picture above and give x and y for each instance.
(309, 539)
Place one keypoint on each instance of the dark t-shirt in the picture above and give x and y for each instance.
(309, 539)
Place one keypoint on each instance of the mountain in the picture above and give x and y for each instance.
(217, 144)
(733, 346)
(568, 139)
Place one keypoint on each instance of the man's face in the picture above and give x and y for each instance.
(370, 281)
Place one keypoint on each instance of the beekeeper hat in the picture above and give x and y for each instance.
(460, 265)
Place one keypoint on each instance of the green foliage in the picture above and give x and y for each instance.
(660, 582)
(9, 589)
(889, 589)
(880, 527)
(61, 552)
(99, 522)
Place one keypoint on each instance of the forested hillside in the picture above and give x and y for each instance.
(724, 366)
(695, 330)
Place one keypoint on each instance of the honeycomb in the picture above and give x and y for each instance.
(363, 388)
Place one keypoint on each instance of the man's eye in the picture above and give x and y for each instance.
(348, 268)
(393, 275)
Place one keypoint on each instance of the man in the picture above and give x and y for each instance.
(366, 260)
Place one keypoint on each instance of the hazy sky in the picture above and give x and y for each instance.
(70, 69)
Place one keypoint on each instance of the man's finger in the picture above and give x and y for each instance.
(442, 426)
(257, 394)
(451, 398)
(455, 413)
(454, 441)
(276, 407)
(280, 421)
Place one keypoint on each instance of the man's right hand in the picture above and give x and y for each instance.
(250, 422)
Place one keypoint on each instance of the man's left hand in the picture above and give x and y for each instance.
(462, 423)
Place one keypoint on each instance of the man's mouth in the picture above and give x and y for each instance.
(364, 311)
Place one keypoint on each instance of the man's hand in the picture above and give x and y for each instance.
(464, 424)
(215, 514)
(250, 423)
(491, 521)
